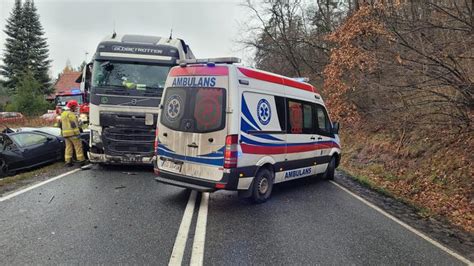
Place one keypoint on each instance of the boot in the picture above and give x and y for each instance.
(68, 164)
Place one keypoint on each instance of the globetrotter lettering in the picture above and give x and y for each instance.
(194, 82)
(118, 48)
(298, 172)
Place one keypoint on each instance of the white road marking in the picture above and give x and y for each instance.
(406, 226)
(21, 191)
(197, 255)
(182, 236)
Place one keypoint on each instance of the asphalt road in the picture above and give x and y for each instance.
(111, 216)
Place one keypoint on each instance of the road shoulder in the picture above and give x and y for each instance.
(10, 184)
(440, 230)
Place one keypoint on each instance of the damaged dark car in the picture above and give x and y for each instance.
(26, 148)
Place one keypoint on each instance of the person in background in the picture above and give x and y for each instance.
(70, 131)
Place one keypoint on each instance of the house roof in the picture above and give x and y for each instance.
(66, 83)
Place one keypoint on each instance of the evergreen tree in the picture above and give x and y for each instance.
(25, 48)
(29, 98)
(15, 53)
(36, 45)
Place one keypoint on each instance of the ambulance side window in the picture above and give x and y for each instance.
(295, 117)
(323, 126)
(300, 117)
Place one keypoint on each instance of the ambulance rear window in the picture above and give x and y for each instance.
(198, 110)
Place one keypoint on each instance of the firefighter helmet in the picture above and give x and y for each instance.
(72, 104)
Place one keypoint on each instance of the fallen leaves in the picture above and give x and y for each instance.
(438, 181)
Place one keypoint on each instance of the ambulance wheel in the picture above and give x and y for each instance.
(262, 186)
(329, 174)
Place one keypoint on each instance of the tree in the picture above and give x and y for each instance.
(406, 64)
(288, 36)
(14, 56)
(29, 98)
(25, 49)
(36, 46)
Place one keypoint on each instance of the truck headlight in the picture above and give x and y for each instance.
(95, 137)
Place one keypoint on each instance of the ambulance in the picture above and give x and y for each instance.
(225, 126)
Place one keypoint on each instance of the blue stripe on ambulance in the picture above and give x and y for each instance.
(254, 142)
(246, 127)
(246, 112)
(211, 158)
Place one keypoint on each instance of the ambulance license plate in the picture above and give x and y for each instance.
(171, 166)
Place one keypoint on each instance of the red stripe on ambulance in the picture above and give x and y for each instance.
(276, 79)
(254, 149)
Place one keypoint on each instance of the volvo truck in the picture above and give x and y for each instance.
(128, 77)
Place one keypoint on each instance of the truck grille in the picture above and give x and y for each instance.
(122, 141)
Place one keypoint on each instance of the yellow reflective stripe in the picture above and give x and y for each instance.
(68, 117)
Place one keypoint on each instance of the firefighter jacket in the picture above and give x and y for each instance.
(69, 124)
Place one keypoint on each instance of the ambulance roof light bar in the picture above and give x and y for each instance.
(302, 79)
(218, 60)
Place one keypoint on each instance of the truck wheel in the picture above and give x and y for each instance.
(329, 174)
(262, 186)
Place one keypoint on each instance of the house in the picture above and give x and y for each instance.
(67, 83)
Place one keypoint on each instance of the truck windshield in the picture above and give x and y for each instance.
(198, 110)
(62, 100)
(129, 75)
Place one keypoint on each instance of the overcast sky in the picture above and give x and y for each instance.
(73, 27)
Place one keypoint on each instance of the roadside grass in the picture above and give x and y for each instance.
(434, 173)
(367, 182)
(9, 180)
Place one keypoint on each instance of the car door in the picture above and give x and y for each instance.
(10, 154)
(34, 147)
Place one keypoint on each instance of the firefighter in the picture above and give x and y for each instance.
(70, 130)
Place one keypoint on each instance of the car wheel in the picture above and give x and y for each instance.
(262, 186)
(329, 174)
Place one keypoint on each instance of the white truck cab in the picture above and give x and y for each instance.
(225, 126)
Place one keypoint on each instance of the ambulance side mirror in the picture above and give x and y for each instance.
(335, 128)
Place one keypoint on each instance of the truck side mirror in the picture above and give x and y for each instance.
(335, 128)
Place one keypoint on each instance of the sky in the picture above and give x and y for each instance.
(75, 27)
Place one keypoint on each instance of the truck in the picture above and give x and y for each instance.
(127, 82)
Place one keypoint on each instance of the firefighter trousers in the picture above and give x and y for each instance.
(73, 144)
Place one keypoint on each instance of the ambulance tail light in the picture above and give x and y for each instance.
(231, 150)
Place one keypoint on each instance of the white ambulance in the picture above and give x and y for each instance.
(225, 126)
